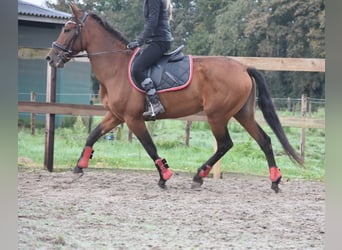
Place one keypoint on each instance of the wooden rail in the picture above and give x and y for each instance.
(284, 64)
(97, 110)
(262, 63)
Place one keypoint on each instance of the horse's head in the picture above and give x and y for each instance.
(69, 41)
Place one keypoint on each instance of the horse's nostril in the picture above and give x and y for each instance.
(48, 58)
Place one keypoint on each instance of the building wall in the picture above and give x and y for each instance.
(73, 81)
(37, 35)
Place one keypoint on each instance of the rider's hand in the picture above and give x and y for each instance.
(133, 45)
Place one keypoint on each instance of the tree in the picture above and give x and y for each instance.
(61, 5)
(266, 28)
(182, 25)
(229, 37)
(286, 28)
(199, 41)
(124, 16)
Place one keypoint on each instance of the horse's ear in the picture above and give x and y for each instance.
(76, 11)
(74, 8)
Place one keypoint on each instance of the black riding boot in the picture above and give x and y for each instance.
(154, 107)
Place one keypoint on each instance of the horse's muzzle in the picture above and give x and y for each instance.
(48, 58)
(54, 60)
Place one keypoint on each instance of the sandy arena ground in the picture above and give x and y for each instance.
(120, 209)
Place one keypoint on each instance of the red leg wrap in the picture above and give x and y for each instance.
(161, 164)
(86, 155)
(275, 174)
(205, 172)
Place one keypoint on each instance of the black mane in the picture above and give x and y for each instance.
(110, 29)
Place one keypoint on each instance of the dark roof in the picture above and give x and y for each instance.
(32, 12)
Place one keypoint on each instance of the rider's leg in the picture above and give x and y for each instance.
(155, 107)
(149, 56)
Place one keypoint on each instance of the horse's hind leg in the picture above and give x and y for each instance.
(108, 123)
(224, 143)
(247, 120)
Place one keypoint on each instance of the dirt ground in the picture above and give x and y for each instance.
(117, 209)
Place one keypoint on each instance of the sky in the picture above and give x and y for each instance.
(37, 2)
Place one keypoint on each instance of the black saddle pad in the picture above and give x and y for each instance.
(171, 73)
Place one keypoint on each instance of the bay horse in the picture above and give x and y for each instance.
(220, 87)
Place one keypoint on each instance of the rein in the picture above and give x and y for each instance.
(101, 53)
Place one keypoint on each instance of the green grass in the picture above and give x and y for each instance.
(169, 137)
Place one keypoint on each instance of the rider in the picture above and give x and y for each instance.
(157, 35)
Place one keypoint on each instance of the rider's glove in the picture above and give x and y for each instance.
(133, 45)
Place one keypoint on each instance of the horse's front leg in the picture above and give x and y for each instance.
(108, 123)
(141, 132)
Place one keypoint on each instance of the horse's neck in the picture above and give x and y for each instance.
(107, 55)
(107, 66)
(100, 43)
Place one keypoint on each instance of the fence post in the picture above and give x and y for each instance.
(33, 115)
(310, 108)
(50, 118)
(187, 132)
(303, 130)
(294, 108)
(289, 104)
(90, 122)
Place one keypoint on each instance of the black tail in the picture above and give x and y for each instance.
(268, 110)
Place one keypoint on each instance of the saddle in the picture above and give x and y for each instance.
(172, 72)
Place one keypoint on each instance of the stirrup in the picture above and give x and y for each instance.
(151, 113)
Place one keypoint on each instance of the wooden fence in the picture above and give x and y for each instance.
(50, 108)
(97, 110)
(32, 107)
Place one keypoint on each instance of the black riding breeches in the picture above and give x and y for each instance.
(149, 56)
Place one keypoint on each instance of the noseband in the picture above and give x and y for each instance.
(67, 51)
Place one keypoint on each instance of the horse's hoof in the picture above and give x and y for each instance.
(197, 182)
(161, 184)
(275, 187)
(77, 170)
(195, 185)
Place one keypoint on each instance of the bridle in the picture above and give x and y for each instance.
(68, 54)
(67, 50)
